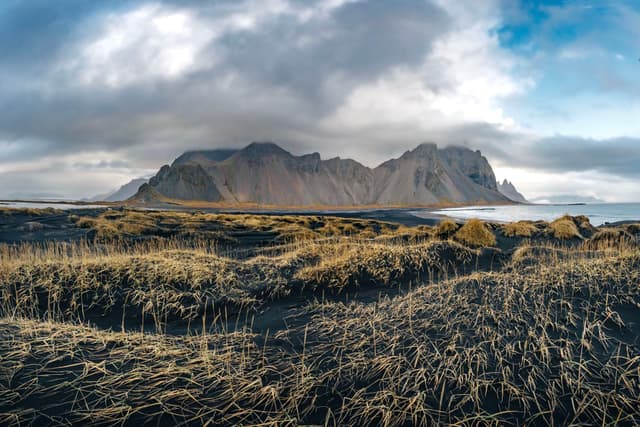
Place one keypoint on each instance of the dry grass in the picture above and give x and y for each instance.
(553, 343)
(610, 237)
(383, 264)
(113, 378)
(120, 224)
(548, 345)
(519, 229)
(446, 229)
(551, 339)
(173, 280)
(564, 228)
(475, 233)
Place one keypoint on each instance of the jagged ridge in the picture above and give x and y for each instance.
(509, 190)
(265, 173)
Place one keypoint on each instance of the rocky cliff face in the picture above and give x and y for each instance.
(430, 175)
(509, 190)
(265, 173)
(188, 181)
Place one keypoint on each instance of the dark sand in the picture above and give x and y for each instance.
(22, 226)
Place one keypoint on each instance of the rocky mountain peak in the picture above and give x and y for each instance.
(263, 172)
(218, 155)
(509, 190)
(263, 149)
(426, 149)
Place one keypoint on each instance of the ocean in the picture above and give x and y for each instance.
(598, 213)
(45, 204)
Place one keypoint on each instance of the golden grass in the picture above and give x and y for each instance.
(120, 224)
(446, 228)
(168, 280)
(519, 229)
(633, 229)
(551, 343)
(475, 233)
(564, 228)
(551, 338)
(610, 237)
(384, 264)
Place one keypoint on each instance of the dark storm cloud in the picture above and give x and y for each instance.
(282, 77)
(560, 153)
(616, 156)
(359, 42)
(286, 75)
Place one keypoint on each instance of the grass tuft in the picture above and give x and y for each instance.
(446, 229)
(519, 229)
(564, 228)
(475, 233)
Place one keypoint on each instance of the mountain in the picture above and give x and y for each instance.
(509, 190)
(123, 193)
(428, 175)
(566, 198)
(205, 155)
(264, 173)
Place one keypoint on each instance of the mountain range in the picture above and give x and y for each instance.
(264, 173)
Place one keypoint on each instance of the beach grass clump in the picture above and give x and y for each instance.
(375, 264)
(415, 234)
(114, 225)
(519, 229)
(564, 228)
(633, 229)
(446, 229)
(475, 233)
(610, 237)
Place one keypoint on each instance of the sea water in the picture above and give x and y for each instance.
(44, 205)
(598, 213)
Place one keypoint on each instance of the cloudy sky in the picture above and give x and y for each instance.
(94, 93)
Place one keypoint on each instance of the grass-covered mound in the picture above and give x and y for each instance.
(564, 229)
(171, 280)
(553, 343)
(610, 237)
(519, 229)
(475, 233)
(357, 265)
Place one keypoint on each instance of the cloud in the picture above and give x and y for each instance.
(616, 156)
(103, 164)
(156, 79)
(106, 90)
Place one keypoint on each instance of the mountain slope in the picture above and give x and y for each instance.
(123, 193)
(509, 190)
(265, 173)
